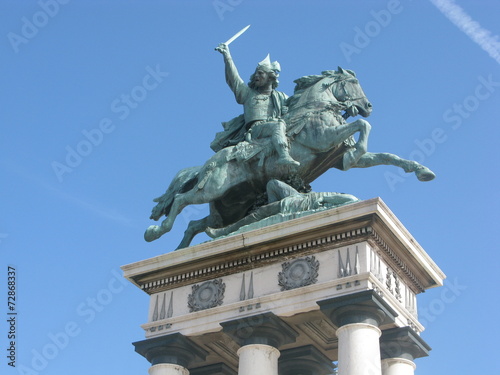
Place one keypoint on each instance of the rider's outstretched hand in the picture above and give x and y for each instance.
(223, 48)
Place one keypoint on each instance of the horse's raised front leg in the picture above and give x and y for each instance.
(352, 156)
(371, 159)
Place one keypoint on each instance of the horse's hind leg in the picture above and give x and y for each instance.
(371, 159)
(156, 231)
(194, 227)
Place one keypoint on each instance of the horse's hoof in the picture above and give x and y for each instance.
(152, 233)
(212, 232)
(425, 174)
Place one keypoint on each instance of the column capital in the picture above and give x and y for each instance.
(266, 329)
(402, 343)
(172, 349)
(362, 307)
(304, 360)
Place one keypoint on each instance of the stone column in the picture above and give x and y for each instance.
(398, 366)
(358, 317)
(258, 359)
(359, 351)
(169, 355)
(259, 336)
(398, 349)
(167, 369)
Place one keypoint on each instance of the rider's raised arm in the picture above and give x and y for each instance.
(233, 79)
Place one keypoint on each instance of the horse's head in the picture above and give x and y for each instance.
(347, 90)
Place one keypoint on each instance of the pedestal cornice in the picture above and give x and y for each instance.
(369, 220)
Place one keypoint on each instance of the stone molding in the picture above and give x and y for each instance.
(245, 262)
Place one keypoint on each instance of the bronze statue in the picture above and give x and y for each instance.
(277, 138)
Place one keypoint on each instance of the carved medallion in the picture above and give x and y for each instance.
(207, 295)
(299, 273)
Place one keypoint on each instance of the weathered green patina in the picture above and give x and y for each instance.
(292, 139)
(285, 203)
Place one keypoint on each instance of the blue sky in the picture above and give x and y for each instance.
(81, 159)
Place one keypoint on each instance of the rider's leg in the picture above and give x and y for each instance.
(280, 143)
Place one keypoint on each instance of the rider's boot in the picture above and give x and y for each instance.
(285, 158)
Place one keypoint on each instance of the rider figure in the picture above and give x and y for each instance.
(263, 107)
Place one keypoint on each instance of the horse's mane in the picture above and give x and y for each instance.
(305, 82)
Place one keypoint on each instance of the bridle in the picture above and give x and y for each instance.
(348, 100)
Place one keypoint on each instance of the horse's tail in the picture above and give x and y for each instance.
(182, 182)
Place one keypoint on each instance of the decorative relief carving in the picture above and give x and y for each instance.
(164, 312)
(299, 273)
(243, 294)
(375, 265)
(346, 269)
(411, 302)
(388, 280)
(397, 287)
(413, 326)
(395, 258)
(207, 295)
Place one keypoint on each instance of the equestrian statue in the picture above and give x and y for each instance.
(278, 146)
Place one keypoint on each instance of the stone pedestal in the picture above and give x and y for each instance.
(336, 285)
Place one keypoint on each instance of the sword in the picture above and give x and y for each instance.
(235, 36)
